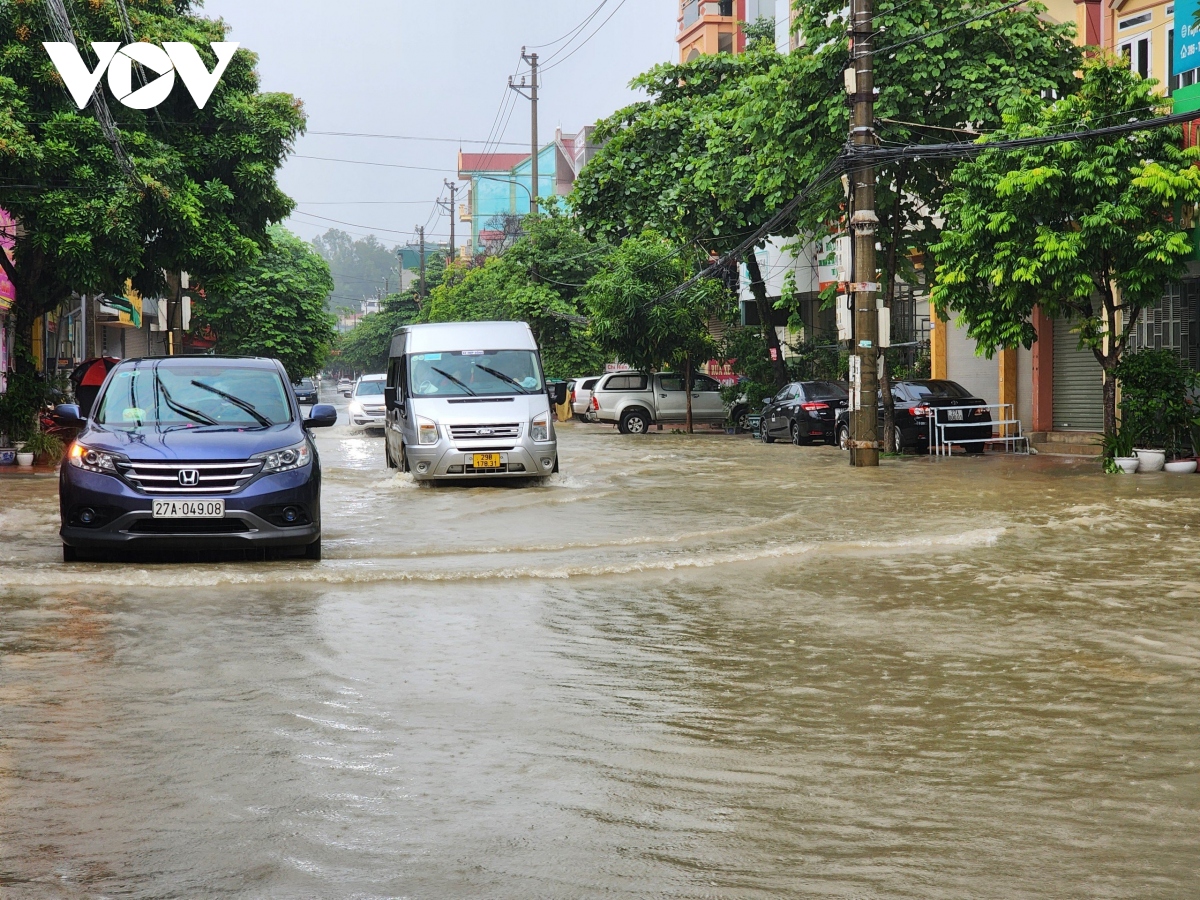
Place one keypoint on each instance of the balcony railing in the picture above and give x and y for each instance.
(696, 8)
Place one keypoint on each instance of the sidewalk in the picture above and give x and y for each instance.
(27, 471)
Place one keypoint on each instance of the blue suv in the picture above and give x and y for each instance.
(192, 453)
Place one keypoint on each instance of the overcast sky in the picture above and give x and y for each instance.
(430, 70)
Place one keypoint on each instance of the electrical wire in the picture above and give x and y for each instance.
(574, 31)
(363, 162)
(551, 64)
(927, 35)
(405, 137)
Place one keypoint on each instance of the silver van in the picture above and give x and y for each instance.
(468, 399)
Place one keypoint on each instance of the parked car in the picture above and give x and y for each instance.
(635, 400)
(468, 399)
(803, 412)
(367, 406)
(581, 397)
(306, 390)
(917, 402)
(189, 453)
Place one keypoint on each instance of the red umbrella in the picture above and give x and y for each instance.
(92, 372)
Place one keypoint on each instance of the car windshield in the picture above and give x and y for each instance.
(825, 390)
(476, 373)
(369, 389)
(194, 396)
(922, 390)
(304, 384)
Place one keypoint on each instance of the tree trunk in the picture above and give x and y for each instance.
(758, 288)
(1110, 402)
(687, 386)
(885, 376)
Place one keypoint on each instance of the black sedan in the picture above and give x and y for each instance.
(918, 402)
(804, 412)
(306, 391)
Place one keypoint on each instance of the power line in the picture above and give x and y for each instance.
(552, 65)
(927, 35)
(574, 31)
(363, 162)
(404, 137)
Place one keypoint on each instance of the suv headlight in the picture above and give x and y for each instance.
(427, 431)
(294, 457)
(539, 429)
(84, 457)
(356, 408)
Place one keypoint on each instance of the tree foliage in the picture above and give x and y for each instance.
(275, 307)
(205, 189)
(362, 268)
(538, 280)
(1088, 230)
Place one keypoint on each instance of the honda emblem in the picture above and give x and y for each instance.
(189, 477)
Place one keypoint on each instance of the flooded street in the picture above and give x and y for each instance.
(686, 667)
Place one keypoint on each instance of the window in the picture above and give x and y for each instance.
(1135, 21)
(921, 390)
(475, 373)
(704, 383)
(825, 390)
(725, 42)
(1177, 79)
(671, 382)
(632, 382)
(173, 395)
(1137, 53)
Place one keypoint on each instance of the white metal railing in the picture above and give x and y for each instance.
(942, 437)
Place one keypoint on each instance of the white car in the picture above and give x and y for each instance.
(581, 397)
(367, 408)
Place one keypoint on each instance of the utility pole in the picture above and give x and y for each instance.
(453, 185)
(532, 96)
(864, 442)
(421, 282)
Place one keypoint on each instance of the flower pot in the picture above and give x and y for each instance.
(8, 457)
(1127, 464)
(1150, 460)
(1181, 466)
(24, 459)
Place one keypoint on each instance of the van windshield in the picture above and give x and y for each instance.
(475, 373)
(194, 396)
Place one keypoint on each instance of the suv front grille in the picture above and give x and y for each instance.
(211, 477)
(485, 432)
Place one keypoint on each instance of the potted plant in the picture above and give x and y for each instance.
(1155, 402)
(47, 449)
(1119, 455)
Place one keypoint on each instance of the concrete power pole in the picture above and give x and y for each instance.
(421, 282)
(532, 97)
(864, 442)
(450, 257)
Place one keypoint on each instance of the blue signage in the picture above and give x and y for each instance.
(1187, 36)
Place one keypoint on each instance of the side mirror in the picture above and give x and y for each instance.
(67, 415)
(322, 416)
(389, 398)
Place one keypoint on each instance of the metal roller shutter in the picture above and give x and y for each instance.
(1078, 383)
(137, 343)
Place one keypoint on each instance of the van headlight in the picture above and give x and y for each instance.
(539, 429)
(427, 431)
(285, 460)
(84, 457)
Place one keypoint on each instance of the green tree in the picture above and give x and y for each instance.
(723, 142)
(367, 346)
(1087, 229)
(633, 318)
(362, 268)
(203, 190)
(275, 307)
(538, 280)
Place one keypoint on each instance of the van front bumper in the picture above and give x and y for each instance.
(528, 459)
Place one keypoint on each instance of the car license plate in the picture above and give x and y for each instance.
(486, 461)
(189, 509)
(954, 415)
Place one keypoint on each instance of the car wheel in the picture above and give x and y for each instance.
(796, 438)
(741, 420)
(897, 440)
(554, 471)
(313, 550)
(634, 421)
(843, 437)
(403, 460)
(70, 554)
(765, 434)
(582, 417)
(387, 452)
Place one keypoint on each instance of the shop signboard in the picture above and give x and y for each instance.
(1187, 37)
(8, 240)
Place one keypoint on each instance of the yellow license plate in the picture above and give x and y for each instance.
(486, 461)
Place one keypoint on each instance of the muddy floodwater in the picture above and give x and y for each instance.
(686, 667)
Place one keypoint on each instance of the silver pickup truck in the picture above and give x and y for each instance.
(635, 401)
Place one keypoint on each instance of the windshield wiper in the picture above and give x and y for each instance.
(520, 387)
(238, 402)
(455, 380)
(194, 414)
